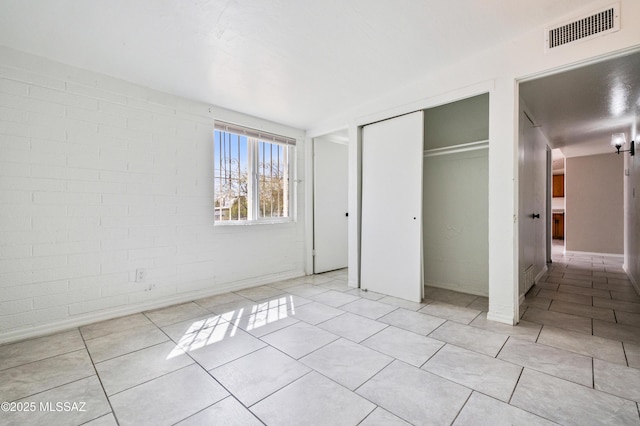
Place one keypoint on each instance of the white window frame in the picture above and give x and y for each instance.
(254, 137)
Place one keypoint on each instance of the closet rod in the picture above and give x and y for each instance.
(463, 147)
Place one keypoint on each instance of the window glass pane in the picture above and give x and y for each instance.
(273, 180)
(230, 176)
(251, 175)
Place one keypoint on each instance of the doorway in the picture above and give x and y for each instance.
(330, 214)
(578, 110)
(557, 200)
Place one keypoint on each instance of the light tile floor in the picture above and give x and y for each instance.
(312, 351)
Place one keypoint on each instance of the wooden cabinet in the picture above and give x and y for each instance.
(558, 185)
(558, 226)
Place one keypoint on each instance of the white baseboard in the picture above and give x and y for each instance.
(458, 289)
(505, 319)
(590, 253)
(89, 318)
(540, 274)
(634, 282)
(536, 280)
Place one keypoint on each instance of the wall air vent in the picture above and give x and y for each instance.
(596, 24)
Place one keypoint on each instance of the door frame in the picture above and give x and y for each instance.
(549, 202)
(307, 182)
(545, 73)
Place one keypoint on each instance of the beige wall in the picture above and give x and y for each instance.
(594, 203)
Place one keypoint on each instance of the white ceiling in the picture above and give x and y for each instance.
(580, 109)
(297, 62)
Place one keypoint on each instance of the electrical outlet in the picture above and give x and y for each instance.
(141, 275)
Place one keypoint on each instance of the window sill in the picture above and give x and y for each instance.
(224, 224)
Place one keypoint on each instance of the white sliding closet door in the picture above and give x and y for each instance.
(391, 244)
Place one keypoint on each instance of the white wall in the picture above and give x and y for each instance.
(455, 215)
(455, 201)
(99, 177)
(496, 70)
(557, 203)
(594, 203)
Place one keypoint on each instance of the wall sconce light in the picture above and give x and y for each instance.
(618, 140)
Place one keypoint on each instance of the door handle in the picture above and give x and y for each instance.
(347, 214)
(535, 216)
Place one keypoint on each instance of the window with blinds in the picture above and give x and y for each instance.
(252, 175)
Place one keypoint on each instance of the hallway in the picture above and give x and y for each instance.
(590, 295)
(590, 317)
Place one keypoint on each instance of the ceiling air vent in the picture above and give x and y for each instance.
(602, 22)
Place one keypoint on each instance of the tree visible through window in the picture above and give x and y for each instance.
(251, 174)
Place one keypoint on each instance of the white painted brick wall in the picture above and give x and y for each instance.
(99, 177)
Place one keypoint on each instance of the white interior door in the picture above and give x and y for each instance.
(391, 243)
(527, 235)
(329, 205)
(533, 211)
(540, 198)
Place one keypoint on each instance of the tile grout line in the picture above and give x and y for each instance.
(131, 352)
(462, 406)
(515, 387)
(152, 379)
(217, 402)
(527, 410)
(195, 362)
(42, 359)
(99, 378)
(434, 354)
(393, 359)
(539, 333)
(626, 358)
(370, 413)
(55, 387)
(502, 347)
(311, 370)
(265, 397)
(369, 379)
